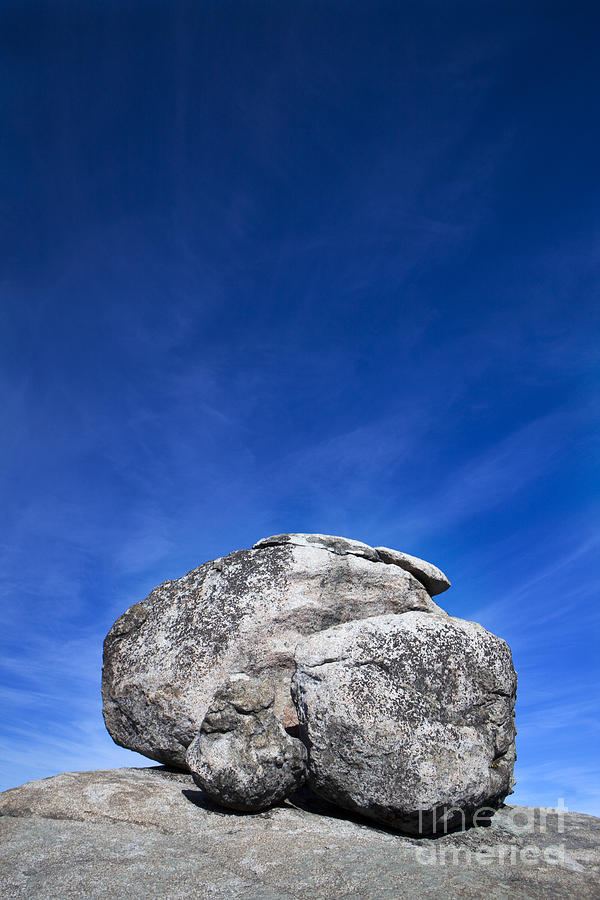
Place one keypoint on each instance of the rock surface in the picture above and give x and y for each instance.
(408, 719)
(165, 656)
(334, 544)
(432, 578)
(242, 757)
(130, 834)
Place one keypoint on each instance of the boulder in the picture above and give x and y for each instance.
(165, 657)
(433, 579)
(408, 719)
(242, 757)
(130, 834)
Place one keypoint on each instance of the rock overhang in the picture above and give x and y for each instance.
(431, 577)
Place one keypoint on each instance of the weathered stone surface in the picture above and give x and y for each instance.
(242, 757)
(432, 578)
(130, 834)
(408, 719)
(340, 545)
(165, 657)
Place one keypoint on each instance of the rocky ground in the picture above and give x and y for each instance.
(139, 833)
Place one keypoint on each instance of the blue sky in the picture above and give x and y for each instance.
(299, 266)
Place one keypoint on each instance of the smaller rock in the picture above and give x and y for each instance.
(433, 579)
(339, 545)
(242, 757)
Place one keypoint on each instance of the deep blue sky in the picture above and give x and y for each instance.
(299, 266)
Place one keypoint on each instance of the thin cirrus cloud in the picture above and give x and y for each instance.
(385, 452)
(506, 468)
(52, 674)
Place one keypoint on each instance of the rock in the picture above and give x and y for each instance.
(432, 578)
(165, 657)
(340, 545)
(242, 757)
(408, 719)
(130, 834)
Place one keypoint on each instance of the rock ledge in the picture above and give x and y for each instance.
(135, 833)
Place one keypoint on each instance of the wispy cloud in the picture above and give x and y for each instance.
(547, 783)
(499, 474)
(50, 700)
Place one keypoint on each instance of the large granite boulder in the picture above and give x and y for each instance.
(242, 757)
(130, 834)
(165, 657)
(408, 719)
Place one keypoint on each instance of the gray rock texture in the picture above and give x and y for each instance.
(408, 719)
(432, 578)
(242, 757)
(165, 657)
(339, 545)
(130, 834)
